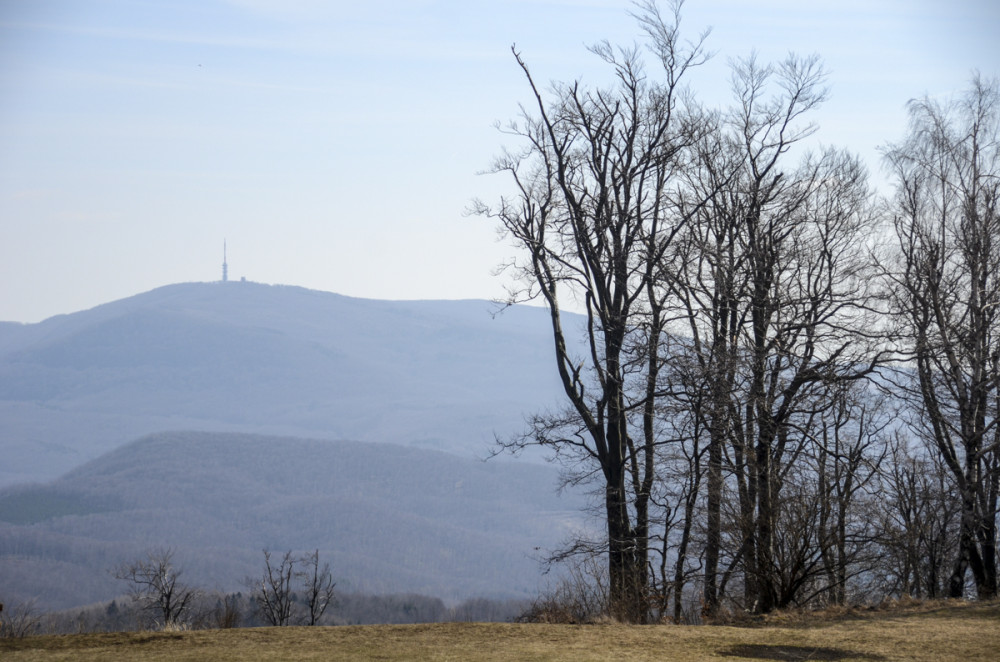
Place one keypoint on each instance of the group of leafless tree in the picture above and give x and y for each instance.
(274, 592)
(786, 390)
(290, 591)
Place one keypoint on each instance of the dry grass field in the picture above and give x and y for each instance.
(939, 631)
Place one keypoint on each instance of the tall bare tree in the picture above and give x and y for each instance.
(591, 218)
(771, 279)
(947, 296)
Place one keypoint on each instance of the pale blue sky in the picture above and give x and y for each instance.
(335, 145)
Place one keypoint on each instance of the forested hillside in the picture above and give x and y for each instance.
(387, 518)
(267, 359)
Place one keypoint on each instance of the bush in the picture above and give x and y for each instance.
(579, 597)
(20, 621)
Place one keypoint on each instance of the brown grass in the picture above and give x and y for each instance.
(936, 631)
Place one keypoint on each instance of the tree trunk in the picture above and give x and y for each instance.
(714, 525)
(626, 572)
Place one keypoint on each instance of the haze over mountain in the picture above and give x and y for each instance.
(222, 418)
(387, 518)
(247, 357)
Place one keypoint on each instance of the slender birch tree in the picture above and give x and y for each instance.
(946, 286)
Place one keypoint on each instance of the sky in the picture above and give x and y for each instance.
(338, 145)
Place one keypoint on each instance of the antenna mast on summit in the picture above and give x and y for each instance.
(225, 267)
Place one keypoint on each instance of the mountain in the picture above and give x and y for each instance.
(387, 518)
(279, 360)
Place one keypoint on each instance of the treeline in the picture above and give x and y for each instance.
(213, 610)
(469, 526)
(790, 386)
(291, 590)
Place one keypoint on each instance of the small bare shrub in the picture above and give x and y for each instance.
(581, 596)
(227, 613)
(20, 621)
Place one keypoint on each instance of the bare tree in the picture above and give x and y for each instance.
(272, 591)
(919, 521)
(318, 587)
(19, 621)
(947, 297)
(591, 217)
(771, 283)
(155, 585)
(681, 472)
(852, 444)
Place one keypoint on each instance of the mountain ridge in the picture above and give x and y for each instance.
(269, 359)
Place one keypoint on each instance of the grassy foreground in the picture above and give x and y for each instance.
(959, 631)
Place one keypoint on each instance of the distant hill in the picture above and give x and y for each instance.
(246, 357)
(388, 518)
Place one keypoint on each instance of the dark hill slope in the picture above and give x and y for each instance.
(388, 518)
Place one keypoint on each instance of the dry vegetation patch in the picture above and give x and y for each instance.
(943, 631)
